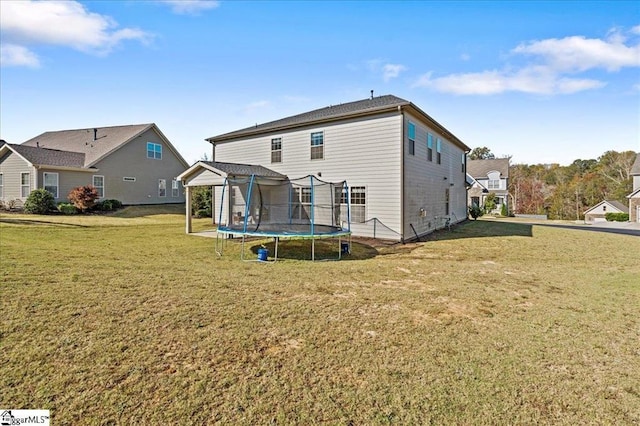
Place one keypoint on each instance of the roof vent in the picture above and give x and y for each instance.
(371, 94)
(95, 134)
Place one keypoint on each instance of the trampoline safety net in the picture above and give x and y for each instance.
(306, 206)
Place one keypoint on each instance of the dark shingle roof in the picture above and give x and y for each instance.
(323, 114)
(635, 168)
(479, 168)
(81, 140)
(49, 157)
(618, 205)
(243, 169)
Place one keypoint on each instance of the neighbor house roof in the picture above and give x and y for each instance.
(480, 168)
(94, 143)
(373, 105)
(613, 203)
(48, 157)
(635, 168)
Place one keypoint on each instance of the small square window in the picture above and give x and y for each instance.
(154, 150)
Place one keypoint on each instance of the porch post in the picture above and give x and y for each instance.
(187, 203)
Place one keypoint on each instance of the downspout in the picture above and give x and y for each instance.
(402, 189)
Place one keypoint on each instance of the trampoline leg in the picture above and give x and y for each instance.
(313, 249)
(276, 254)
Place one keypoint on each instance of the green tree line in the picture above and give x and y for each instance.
(565, 192)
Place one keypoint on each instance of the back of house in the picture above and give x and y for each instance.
(405, 171)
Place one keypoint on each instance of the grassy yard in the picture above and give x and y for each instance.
(124, 319)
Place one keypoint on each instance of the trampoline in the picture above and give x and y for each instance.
(268, 207)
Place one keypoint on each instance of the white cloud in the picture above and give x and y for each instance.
(191, 7)
(556, 61)
(576, 54)
(12, 55)
(390, 71)
(62, 23)
(387, 70)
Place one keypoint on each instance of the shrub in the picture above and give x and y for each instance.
(40, 201)
(490, 202)
(617, 217)
(201, 200)
(83, 197)
(203, 213)
(107, 205)
(67, 208)
(475, 211)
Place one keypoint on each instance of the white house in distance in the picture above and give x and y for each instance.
(489, 176)
(134, 164)
(405, 171)
(598, 212)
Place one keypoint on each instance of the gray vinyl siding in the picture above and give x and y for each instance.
(425, 182)
(67, 180)
(11, 167)
(131, 161)
(364, 152)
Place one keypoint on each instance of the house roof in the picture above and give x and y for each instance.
(364, 107)
(222, 170)
(480, 168)
(81, 141)
(49, 157)
(243, 169)
(613, 203)
(635, 168)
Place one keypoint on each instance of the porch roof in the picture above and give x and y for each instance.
(213, 173)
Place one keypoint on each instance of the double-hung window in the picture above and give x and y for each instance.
(429, 147)
(51, 183)
(162, 187)
(276, 150)
(439, 151)
(464, 162)
(25, 184)
(175, 189)
(317, 145)
(494, 184)
(154, 150)
(98, 183)
(412, 139)
(356, 204)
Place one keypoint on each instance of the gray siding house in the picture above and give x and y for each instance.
(489, 176)
(135, 164)
(406, 172)
(634, 197)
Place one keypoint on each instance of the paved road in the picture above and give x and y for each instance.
(623, 228)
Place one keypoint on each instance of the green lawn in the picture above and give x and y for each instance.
(124, 319)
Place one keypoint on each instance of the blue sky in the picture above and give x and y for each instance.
(543, 81)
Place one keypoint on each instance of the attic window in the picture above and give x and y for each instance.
(154, 150)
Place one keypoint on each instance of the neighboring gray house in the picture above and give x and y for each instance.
(598, 212)
(406, 172)
(489, 176)
(634, 197)
(135, 164)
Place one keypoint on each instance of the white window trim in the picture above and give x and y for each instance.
(93, 182)
(280, 150)
(154, 150)
(175, 188)
(44, 182)
(22, 185)
(1, 186)
(316, 146)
